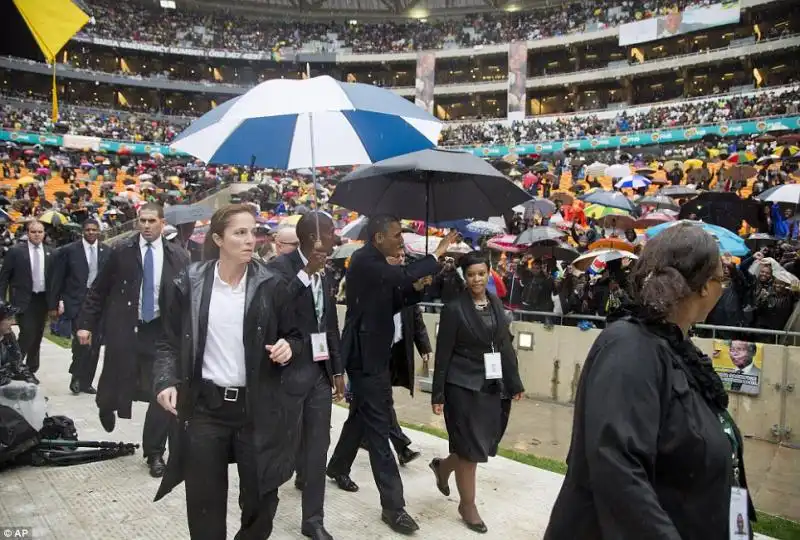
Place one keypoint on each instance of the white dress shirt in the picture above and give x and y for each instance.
(223, 357)
(37, 281)
(87, 250)
(158, 265)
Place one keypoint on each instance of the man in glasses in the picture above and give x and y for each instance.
(286, 240)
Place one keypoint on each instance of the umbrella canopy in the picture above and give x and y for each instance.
(659, 201)
(484, 228)
(729, 242)
(742, 157)
(432, 185)
(606, 255)
(610, 199)
(651, 220)
(612, 242)
(417, 244)
(613, 221)
(786, 193)
(618, 171)
(597, 211)
(187, 213)
(505, 242)
(725, 209)
(563, 196)
(53, 218)
(596, 169)
(633, 181)
(346, 250)
(538, 234)
(543, 206)
(677, 191)
(560, 251)
(757, 241)
(355, 229)
(291, 124)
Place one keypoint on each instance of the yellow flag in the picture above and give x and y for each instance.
(52, 23)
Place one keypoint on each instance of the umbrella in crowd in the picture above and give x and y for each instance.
(678, 192)
(583, 262)
(612, 242)
(291, 124)
(505, 242)
(534, 235)
(346, 250)
(618, 171)
(431, 185)
(786, 193)
(757, 241)
(544, 207)
(729, 242)
(609, 199)
(560, 251)
(52, 217)
(652, 219)
(660, 202)
(614, 221)
(485, 228)
(742, 157)
(633, 181)
(597, 211)
(596, 169)
(355, 229)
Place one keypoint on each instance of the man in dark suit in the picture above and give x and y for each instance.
(26, 271)
(75, 269)
(124, 305)
(312, 376)
(376, 291)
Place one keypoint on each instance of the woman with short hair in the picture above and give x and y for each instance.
(228, 333)
(475, 375)
(655, 453)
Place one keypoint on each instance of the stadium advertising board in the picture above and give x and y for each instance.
(628, 140)
(681, 22)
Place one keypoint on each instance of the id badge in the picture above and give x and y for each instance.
(739, 520)
(319, 346)
(494, 367)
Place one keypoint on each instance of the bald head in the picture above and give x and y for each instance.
(308, 228)
(286, 240)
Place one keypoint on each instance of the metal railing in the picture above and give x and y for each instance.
(713, 331)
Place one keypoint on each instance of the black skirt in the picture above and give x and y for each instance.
(475, 422)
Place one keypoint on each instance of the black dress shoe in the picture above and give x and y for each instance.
(108, 420)
(75, 386)
(400, 521)
(89, 389)
(157, 466)
(317, 532)
(479, 527)
(443, 487)
(344, 482)
(407, 455)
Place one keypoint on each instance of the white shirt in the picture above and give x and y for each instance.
(87, 250)
(302, 275)
(37, 281)
(158, 265)
(223, 357)
(398, 328)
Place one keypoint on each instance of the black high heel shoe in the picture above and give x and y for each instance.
(444, 488)
(477, 527)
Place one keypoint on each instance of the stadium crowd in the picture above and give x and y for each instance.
(229, 32)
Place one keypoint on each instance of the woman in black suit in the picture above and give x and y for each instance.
(655, 453)
(475, 376)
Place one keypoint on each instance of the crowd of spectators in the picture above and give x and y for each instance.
(226, 31)
(34, 116)
(724, 109)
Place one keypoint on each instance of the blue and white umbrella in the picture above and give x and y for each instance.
(633, 181)
(291, 124)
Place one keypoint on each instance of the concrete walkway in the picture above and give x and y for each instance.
(112, 500)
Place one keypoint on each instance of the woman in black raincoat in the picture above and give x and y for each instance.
(654, 452)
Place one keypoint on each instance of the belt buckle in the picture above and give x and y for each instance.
(230, 394)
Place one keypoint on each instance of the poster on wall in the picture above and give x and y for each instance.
(738, 364)
(679, 22)
(423, 95)
(517, 75)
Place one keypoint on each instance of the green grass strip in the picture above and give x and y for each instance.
(774, 526)
(63, 342)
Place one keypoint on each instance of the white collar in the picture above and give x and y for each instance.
(222, 283)
(87, 245)
(155, 243)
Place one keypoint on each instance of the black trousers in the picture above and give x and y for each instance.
(313, 455)
(216, 437)
(84, 358)
(397, 437)
(159, 425)
(370, 420)
(31, 329)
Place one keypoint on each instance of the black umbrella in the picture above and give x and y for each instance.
(560, 251)
(757, 241)
(610, 199)
(725, 209)
(539, 234)
(432, 185)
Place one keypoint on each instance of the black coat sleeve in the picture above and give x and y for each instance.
(621, 419)
(166, 367)
(334, 338)
(421, 339)
(57, 276)
(7, 271)
(445, 343)
(94, 303)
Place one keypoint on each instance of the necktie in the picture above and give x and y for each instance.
(37, 269)
(316, 289)
(92, 266)
(148, 286)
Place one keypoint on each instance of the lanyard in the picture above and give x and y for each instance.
(319, 297)
(728, 429)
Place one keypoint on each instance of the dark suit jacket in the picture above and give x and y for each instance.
(372, 284)
(462, 341)
(414, 333)
(287, 267)
(111, 308)
(70, 273)
(16, 277)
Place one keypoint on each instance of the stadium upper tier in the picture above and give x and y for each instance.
(132, 25)
(34, 117)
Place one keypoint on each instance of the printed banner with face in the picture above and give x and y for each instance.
(739, 365)
(517, 75)
(680, 22)
(426, 64)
